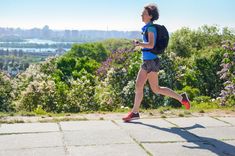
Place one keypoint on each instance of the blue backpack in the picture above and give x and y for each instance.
(162, 39)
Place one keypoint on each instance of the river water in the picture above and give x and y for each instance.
(38, 42)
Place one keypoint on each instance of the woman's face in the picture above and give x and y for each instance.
(145, 16)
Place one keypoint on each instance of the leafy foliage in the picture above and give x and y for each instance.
(6, 96)
(227, 73)
(101, 75)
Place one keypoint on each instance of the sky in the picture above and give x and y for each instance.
(124, 15)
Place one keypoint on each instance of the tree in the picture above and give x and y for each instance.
(6, 95)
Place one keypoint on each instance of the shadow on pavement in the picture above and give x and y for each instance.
(214, 145)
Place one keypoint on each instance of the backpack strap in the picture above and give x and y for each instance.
(162, 39)
(146, 36)
(146, 32)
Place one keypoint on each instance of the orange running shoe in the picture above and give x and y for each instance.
(131, 116)
(185, 101)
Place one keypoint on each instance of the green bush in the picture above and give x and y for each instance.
(227, 75)
(110, 91)
(39, 110)
(40, 93)
(101, 76)
(200, 99)
(192, 92)
(205, 105)
(6, 95)
(95, 51)
(81, 94)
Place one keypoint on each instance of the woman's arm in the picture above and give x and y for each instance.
(149, 44)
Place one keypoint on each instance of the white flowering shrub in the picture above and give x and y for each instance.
(129, 93)
(93, 77)
(227, 74)
(41, 93)
(6, 96)
(118, 87)
(81, 94)
(105, 94)
(34, 88)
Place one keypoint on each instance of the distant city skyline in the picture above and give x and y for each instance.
(45, 33)
(121, 15)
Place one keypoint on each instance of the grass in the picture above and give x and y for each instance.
(181, 115)
(151, 114)
(101, 118)
(62, 119)
(11, 121)
(201, 111)
(201, 108)
(161, 112)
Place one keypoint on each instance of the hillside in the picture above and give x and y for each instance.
(100, 76)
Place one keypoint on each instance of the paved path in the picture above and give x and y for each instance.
(194, 136)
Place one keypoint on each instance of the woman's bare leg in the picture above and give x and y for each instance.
(153, 81)
(139, 88)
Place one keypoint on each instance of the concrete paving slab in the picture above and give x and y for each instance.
(181, 149)
(151, 133)
(96, 137)
(52, 151)
(203, 121)
(102, 150)
(226, 148)
(28, 127)
(19, 141)
(135, 123)
(199, 136)
(214, 133)
(87, 125)
(230, 120)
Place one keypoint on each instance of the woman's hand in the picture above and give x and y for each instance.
(137, 45)
(136, 42)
